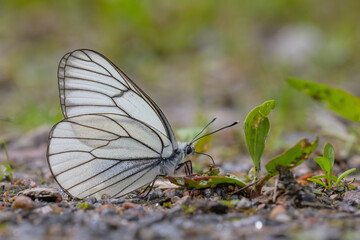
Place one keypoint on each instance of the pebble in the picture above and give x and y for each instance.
(348, 206)
(182, 201)
(91, 200)
(208, 192)
(279, 209)
(244, 204)
(169, 194)
(28, 183)
(174, 199)
(218, 208)
(57, 209)
(8, 217)
(23, 202)
(108, 212)
(117, 200)
(63, 205)
(129, 205)
(155, 195)
(45, 210)
(44, 194)
(353, 195)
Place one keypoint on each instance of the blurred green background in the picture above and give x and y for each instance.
(197, 59)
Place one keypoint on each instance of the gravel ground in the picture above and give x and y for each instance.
(33, 207)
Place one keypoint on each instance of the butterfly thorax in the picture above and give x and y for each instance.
(169, 166)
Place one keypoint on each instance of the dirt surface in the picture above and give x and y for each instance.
(32, 206)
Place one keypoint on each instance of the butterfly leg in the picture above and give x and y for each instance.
(150, 186)
(188, 167)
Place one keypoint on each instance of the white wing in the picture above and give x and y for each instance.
(98, 154)
(113, 138)
(90, 83)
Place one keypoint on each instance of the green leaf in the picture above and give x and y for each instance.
(327, 162)
(333, 177)
(83, 205)
(205, 180)
(344, 174)
(329, 153)
(257, 127)
(292, 157)
(337, 100)
(325, 166)
(203, 144)
(319, 176)
(317, 181)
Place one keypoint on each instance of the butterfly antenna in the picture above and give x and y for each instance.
(196, 139)
(193, 140)
(200, 153)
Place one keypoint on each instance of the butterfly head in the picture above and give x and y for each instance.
(189, 150)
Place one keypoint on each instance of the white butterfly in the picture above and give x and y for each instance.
(114, 138)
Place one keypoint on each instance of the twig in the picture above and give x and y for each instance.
(275, 190)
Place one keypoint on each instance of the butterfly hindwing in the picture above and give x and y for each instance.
(96, 153)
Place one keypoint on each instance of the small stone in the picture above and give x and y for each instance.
(186, 194)
(45, 210)
(182, 201)
(279, 209)
(97, 205)
(91, 200)
(23, 202)
(348, 206)
(155, 194)
(105, 196)
(8, 217)
(128, 205)
(57, 209)
(63, 205)
(334, 196)
(44, 194)
(353, 195)
(28, 183)
(170, 193)
(283, 217)
(174, 199)
(231, 188)
(208, 192)
(244, 204)
(105, 206)
(108, 212)
(218, 208)
(196, 192)
(117, 200)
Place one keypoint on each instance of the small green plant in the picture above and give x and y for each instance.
(83, 205)
(326, 162)
(288, 159)
(6, 171)
(206, 180)
(257, 128)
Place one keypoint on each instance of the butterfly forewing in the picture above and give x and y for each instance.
(113, 137)
(89, 83)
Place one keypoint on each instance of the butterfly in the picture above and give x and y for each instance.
(114, 139)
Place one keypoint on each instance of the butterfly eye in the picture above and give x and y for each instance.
(188, 150)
